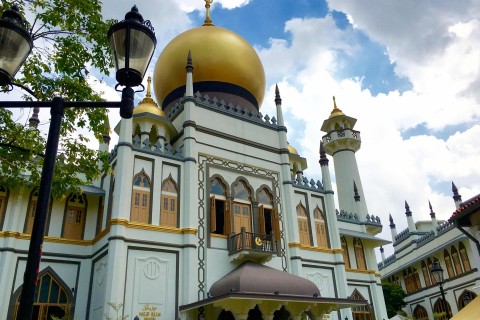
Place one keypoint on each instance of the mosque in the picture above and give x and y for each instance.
(207, 213)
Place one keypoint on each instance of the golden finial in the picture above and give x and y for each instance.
(149, 84)
(208, 21)
(148, 96)
(335, 111)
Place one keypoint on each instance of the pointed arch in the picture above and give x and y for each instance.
(346, 256)
(321, 228)
(4, 193)
(169, 203)
(420, 313)
(465, 298)
(31, 211)
(242, 194)
(219, 210)
(141, 190)
(266, 222)
(426, 274)
(441, 307)
(362, 312)
(464, 256)
(429, 266)
(303, 225)
(51, 294)
(137, 132)
(456, 261)
(448, 263)
(74, 216)
(359, 254)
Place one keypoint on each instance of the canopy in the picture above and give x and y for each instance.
(470, 312)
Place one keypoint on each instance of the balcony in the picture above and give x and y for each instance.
(252, 246)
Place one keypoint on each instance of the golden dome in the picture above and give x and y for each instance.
(147, 105)
(335, 112)
(292, 149)
(222, 60)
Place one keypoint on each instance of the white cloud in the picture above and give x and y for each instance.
(438, 52)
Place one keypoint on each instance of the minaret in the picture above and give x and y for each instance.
(456, 196)
(34, 120)
(341, 142)
(434, 218)
(382, 253)
(411, 223)
(189, 80)
(393, 229)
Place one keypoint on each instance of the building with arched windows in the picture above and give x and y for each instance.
(207, 212)
(418, 247)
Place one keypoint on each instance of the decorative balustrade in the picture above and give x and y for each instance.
(445, 226)
(388, 261)
(374, 220)
(402, 235)
(347, 216)
(343, 133)
(253, 242)
(303, 182)
(426, 238)
(230, 109)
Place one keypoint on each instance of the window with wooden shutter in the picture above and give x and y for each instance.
(303, 226)
(140, 208)
(448, 263)
(464, 256)
(456, 261)
(169, 208)
(346, 256)
(74, 220)
(359, 254)
(276, 224)
(261, 220)
(426, 275)
(320, 228)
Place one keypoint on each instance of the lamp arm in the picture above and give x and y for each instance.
(30, 91)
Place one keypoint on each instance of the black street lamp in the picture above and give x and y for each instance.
(132, 42)
(437, 272)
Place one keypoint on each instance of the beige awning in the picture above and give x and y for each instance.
(470, 312)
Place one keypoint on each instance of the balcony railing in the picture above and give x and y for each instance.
(257, 243)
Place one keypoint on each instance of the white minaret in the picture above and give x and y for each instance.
(457, 198)
(341, 142)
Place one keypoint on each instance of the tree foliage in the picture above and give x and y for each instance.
(70, 36)
(394, 298)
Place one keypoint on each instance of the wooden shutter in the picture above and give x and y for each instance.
(276, 224)
(213, 215)
(261, 220)
(228, 217)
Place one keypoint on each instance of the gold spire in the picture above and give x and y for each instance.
(335, 112)
(208, 21)
(147, 104)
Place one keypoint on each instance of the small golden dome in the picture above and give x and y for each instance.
(222, 60)
(147, 105)
(335, 112)
(292, 149)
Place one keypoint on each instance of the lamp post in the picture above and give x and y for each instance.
(437, 272)
(132, 42)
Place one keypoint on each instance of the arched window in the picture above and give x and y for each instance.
(320, 228)
(266, 214)
(303, 225)
(412, 280)
(219, 216)
(242, 213)
(51, 295)
(465, 298)
(420, 313)
(464, 256)
(359, 254)
(140, 211)
(426, 274)
(32, 209)
(346, 256)
(448, 263)
(153, 136)
(456, 261)
(363, 312)
(3, 205)
(429, 265)
(440, 308)
(169, 210)
(74, 220)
